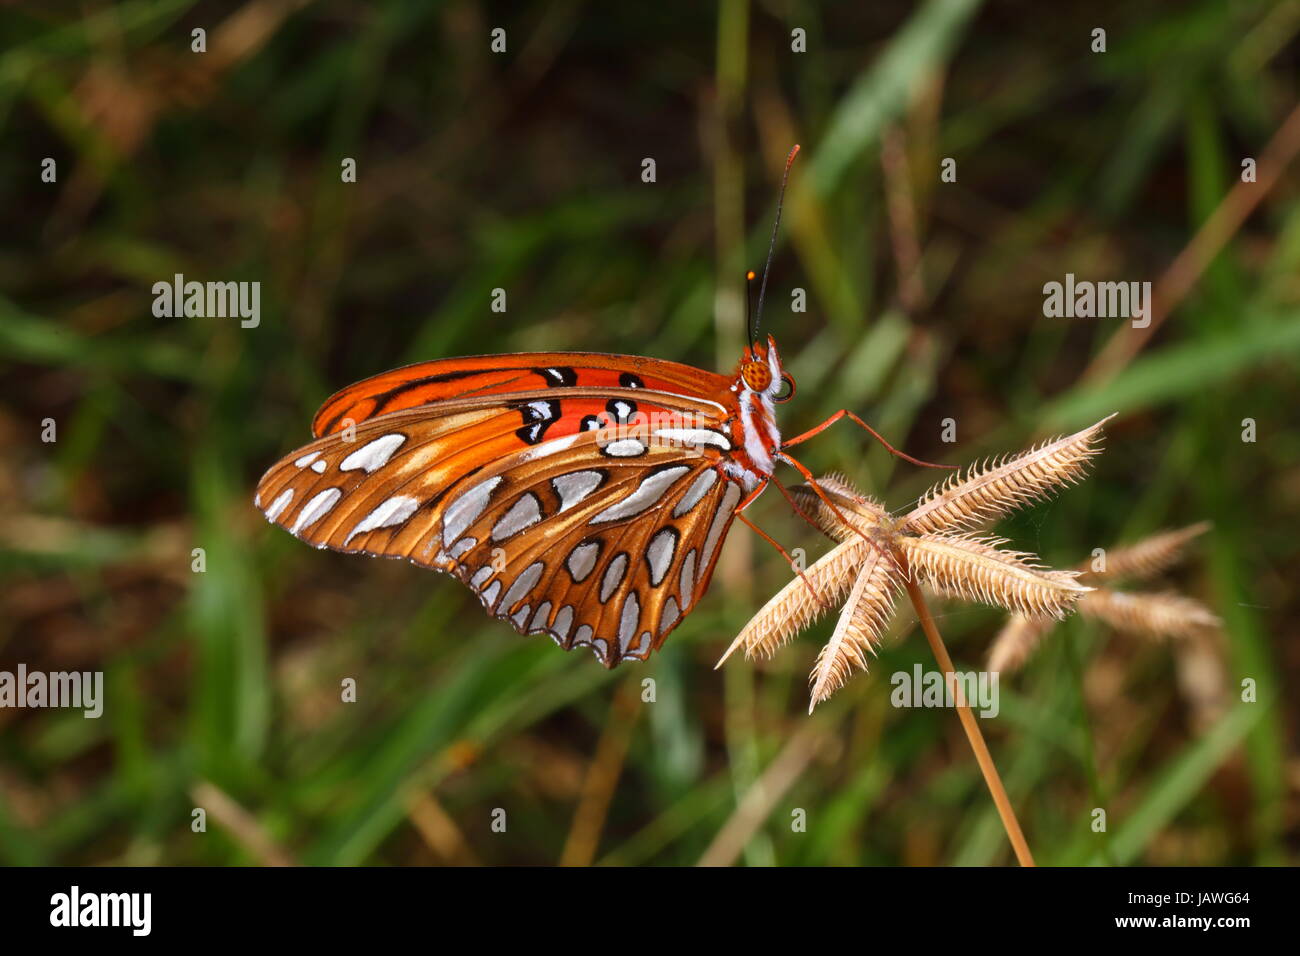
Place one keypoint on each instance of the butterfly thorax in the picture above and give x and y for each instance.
(758, 385)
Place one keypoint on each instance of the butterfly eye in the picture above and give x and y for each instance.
(757, 375)
(787, 390)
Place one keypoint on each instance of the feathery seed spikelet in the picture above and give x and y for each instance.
(1149, 556)
(865, 514)
(977, 569)
(875, 550)
(1166, 614)
(992, 489)
(860, 628)
(794, 607)
(1134, 612)
(1017, 640)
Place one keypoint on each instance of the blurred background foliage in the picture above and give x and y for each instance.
(522, 170)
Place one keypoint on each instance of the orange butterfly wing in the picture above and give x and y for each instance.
(596, 538)
(445, 379)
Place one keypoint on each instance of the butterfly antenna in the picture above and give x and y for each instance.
(771, 248)
(749, 311)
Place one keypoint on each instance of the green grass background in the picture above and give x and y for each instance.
(522, 171)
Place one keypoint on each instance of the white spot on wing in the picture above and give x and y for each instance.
(659, 554)
(699, 488)
(625, 448)
(538, 623)
(650, 491)
(669, 616)
(575, 486)
(550, 447)
(613, 576)
(319, 467)
(391, 512)
(628, 621)
(307, 459)
(687, 580)
(582, 559)
(695, 437)
(317, 508)
(373, 455)
(489, 596)
(463, 512)
(522, 585)
(279, 504)
(523, 513)
(563, 621)
(480, 576)
(730, 498)
(696, 400)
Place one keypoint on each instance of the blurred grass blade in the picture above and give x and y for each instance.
(922, 45)
(1179, 370)
(1174, 785)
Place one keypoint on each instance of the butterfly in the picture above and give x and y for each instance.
(578, 494)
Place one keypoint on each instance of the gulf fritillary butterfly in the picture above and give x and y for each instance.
(607, 482)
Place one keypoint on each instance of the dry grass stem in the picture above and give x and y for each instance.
(602, 778)
(971, 726)
(764, 794)
(1186, 270)
(439, 830)
(243, 826)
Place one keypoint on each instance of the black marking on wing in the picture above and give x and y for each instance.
(559, 377)
(384, 398)
(620, 410)
(538, 417)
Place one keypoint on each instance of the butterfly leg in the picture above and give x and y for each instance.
(817, 489)
(845, 413)
(794, 504)
(774, 543)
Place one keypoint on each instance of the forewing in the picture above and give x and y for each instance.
(443, 380)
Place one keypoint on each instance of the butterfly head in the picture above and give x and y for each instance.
(760, 372)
